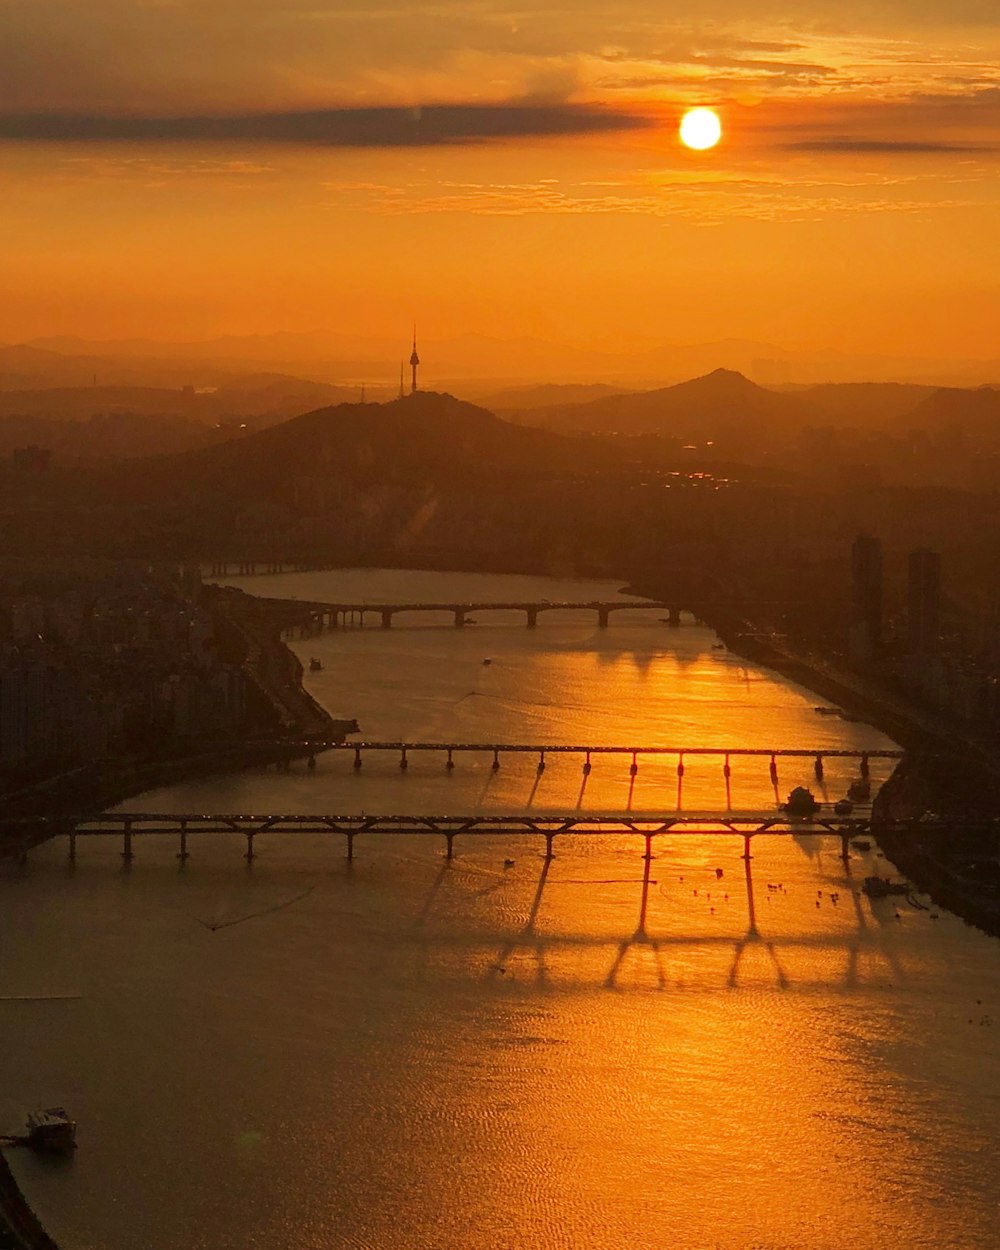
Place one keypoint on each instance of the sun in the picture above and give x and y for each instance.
(700, 129)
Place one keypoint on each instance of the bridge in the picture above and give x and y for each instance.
(649, 825)
(843, 820)
(322, 615)
(498, 749)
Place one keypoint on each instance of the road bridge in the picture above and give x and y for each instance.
(324, 615)
(724, 755)
(745, 825)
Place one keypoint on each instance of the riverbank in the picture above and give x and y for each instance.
(276, 676)
(19, 1226)
(947, 772)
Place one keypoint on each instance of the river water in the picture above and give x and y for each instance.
(406, 1054)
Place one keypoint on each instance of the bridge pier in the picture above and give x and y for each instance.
(549, 853)
(387, 618)
(602, 618)
(182, 854)
(845, 853)
(649, 847)
(459, 617)
(72, 845)
(357, 757)
(674, 617)
(450, 763)
(450, 853)
(818, 768)
(403, 761)
(587, 765)
(350, 846)
(541, 761)
(127, 842)
(746, 848)
(727, 773)
(633, 768)
(532, 615)
(496, 760)
(249, 855)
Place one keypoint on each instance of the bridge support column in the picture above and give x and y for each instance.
(459, 618)
(649, 847)
(350, 846)
(450, 853)
(386, 618)
(818, 768)
(182, 854)
(587, 765)
(633, 768)
(357, 757)
(864, 766)
(674, 617)
(532, 615)
(845, 853)
(496, 760)
(127, 842)
(249, 855)
(746, 848)
(602, 618)
(727, 773)
(541, 761)
(450, 762)
(549, 853)
(72, 845)
(311, 763)
(403, 761)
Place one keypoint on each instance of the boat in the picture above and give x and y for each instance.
(487, 660)
(880, 887)
(859, 791)
(315, 665)
(843, 807)
(827, 711)
(51, 1129)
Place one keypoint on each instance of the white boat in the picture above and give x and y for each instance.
(51, 1129)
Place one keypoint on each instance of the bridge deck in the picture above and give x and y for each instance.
(542, 748)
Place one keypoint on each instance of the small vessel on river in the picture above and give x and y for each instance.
(51, 1129)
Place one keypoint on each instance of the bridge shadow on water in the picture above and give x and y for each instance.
(862, 940)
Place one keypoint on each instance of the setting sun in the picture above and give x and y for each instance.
(700, 129)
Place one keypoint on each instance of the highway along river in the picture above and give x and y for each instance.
(501, 1053)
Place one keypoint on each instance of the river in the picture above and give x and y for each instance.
(406, 1054)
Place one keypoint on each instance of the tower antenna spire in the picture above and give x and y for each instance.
(414, 361)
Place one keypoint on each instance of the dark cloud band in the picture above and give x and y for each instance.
(880, 145)
(434, 125)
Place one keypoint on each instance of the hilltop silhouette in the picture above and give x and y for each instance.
(720, 405)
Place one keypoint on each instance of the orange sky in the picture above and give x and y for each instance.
(853, 203)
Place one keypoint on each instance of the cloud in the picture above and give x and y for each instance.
(849, 144)
(428, 126)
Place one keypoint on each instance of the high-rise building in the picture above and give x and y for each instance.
(924, 602)
(866, 594)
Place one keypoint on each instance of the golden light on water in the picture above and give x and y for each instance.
(700, 129)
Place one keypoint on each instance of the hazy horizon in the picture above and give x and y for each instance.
(485, 361)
